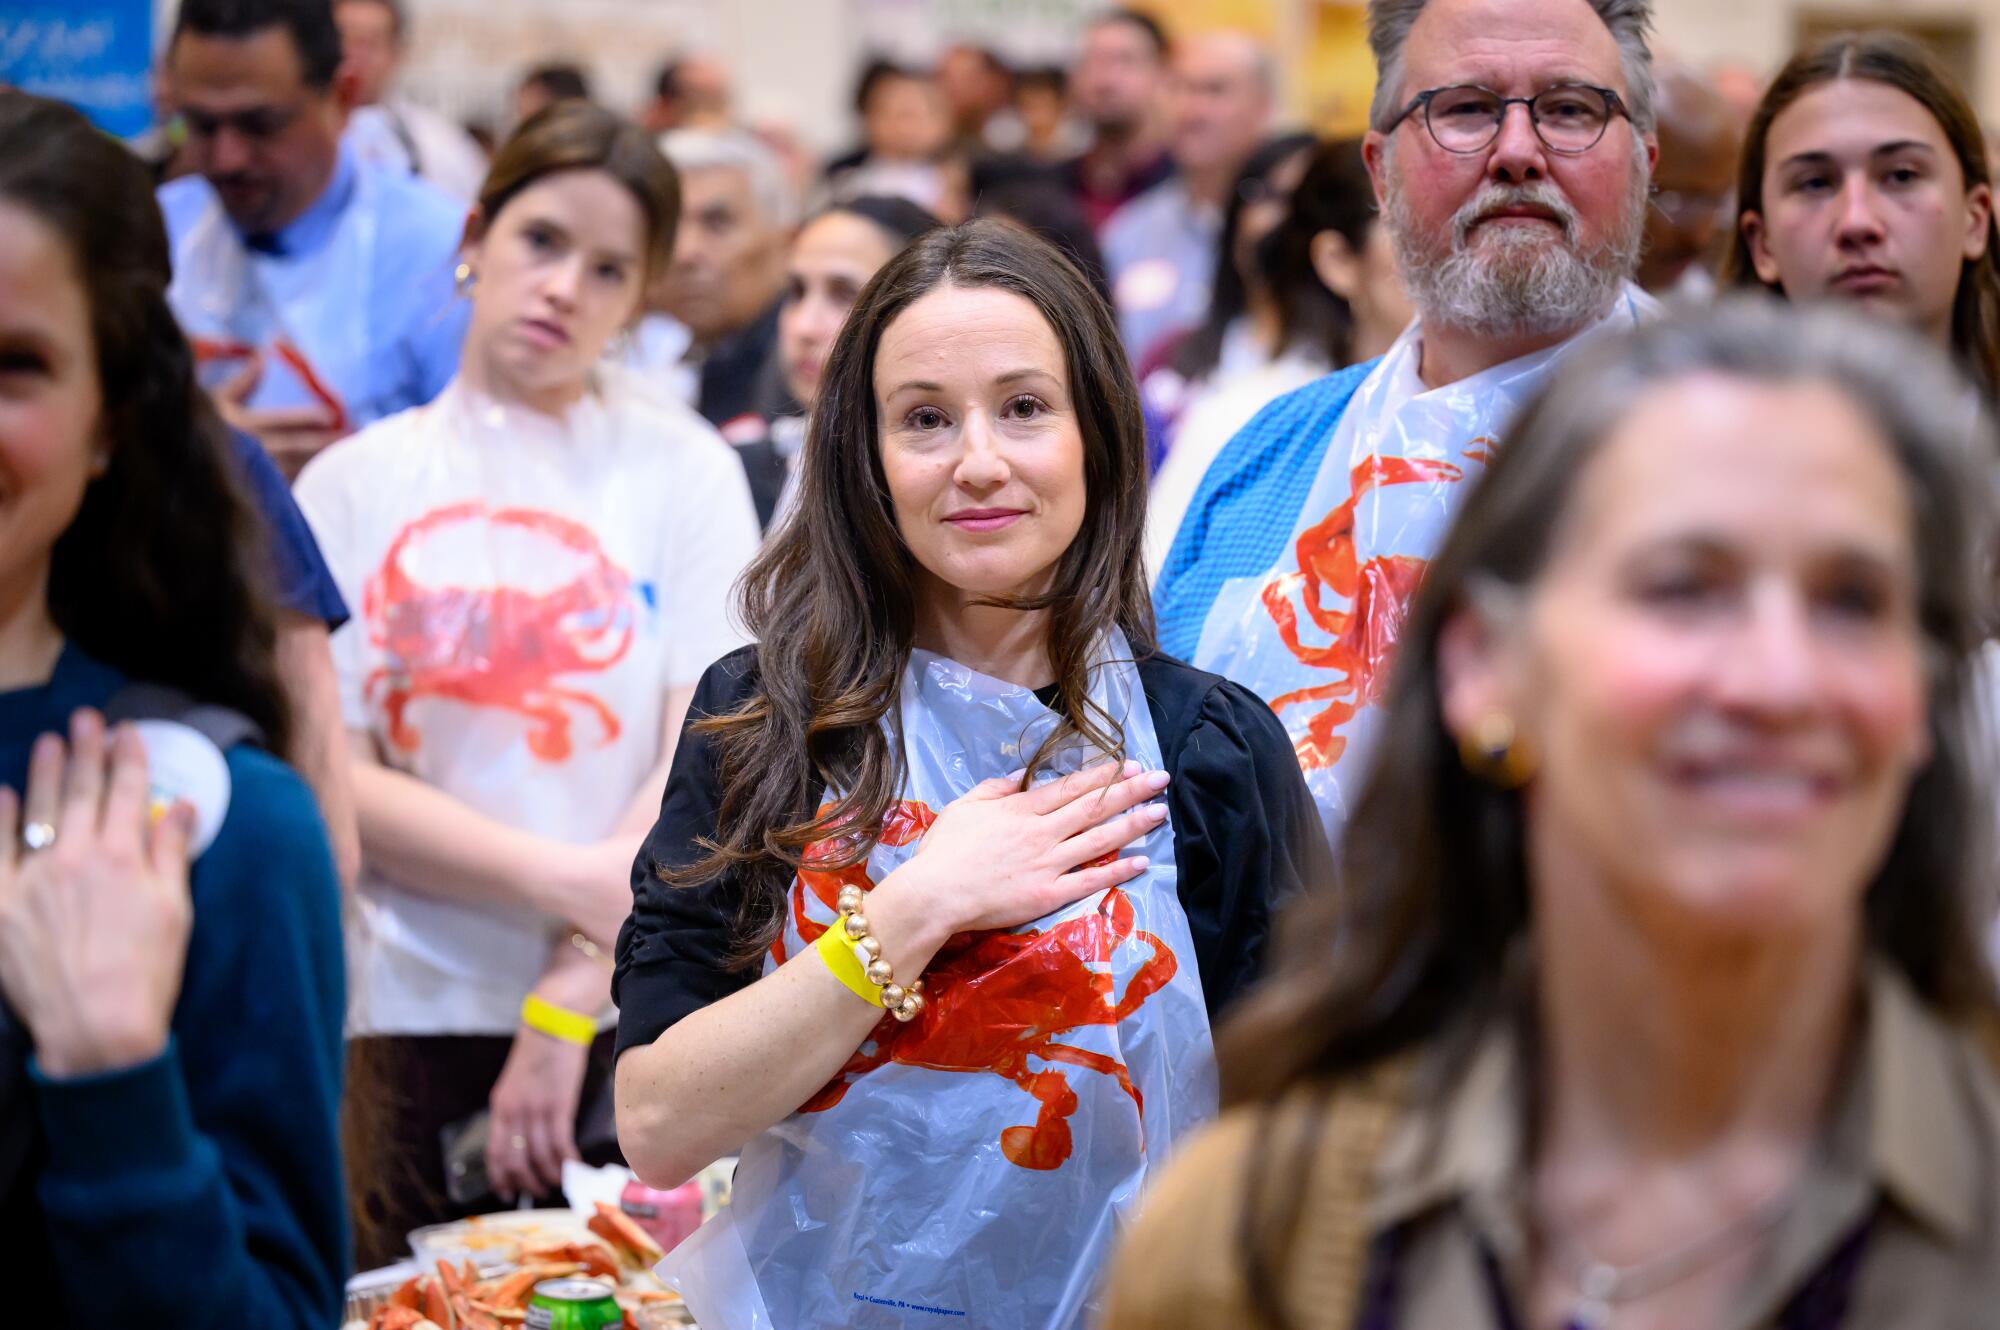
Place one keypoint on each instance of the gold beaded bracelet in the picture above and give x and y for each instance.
(903, 1003)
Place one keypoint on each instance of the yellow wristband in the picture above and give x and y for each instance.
(557, 1023)
(837, 950)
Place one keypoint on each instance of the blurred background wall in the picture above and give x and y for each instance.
(795, 61)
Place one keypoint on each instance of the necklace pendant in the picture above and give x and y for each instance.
(1592, 1310)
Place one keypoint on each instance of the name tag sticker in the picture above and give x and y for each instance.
(185, 764)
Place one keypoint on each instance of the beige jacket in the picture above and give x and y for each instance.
(1914, 1136)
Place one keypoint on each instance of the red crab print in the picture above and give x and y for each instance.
(1361, 636)
(208, 350)
(996, 1000)
(498, 646)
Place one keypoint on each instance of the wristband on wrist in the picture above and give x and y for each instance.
(855, 957)
(544, 1017)
(837, 951)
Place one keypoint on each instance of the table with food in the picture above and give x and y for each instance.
(584, 1268)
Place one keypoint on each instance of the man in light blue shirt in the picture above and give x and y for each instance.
(1161, 247)
(317, 290)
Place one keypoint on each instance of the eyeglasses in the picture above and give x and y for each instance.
(1569, 118)
(259, 124)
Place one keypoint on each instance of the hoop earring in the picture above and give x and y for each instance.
(1493, 751)
(463, 278)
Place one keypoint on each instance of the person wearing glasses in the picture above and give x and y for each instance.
(1512, 150)
(317, 290)
(1648, 990)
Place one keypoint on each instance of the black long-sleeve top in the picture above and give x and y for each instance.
(1246, 836)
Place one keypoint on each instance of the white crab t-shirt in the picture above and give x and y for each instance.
(525, 591)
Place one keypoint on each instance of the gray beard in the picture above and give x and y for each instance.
(1510, 285)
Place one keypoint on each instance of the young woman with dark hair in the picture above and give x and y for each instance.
(177, 979)
(1327, 294)
(955, 715)
(1245, 325)
(832, 256)
(1650, 991)
(1864, 177)
(538, 561)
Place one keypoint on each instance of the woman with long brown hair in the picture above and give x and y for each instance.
(1864, 177)
(539, 562)
(1650, 992)
(954, 717)
(170, 986)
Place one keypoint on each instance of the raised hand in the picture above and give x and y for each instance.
(94, 923)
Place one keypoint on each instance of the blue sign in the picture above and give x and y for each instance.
(94, 54)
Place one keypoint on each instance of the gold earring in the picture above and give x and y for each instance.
(1494, 751)
(463, 278)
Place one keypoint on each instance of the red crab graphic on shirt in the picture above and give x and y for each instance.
(1364, 624)
(995, 1000)
(493, 646)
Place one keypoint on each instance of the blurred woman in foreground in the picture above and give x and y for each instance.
(170, 985)
(1657, 998)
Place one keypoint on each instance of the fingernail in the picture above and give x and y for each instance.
(1140, 864)
(1156, 812)
(1129, 769)
(1157, 781)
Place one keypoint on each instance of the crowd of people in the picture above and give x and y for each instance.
(1151, 719)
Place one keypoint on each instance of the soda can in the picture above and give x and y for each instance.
(667, 1216)
(573, 1304)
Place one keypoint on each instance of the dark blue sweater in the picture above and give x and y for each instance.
(203, 1188)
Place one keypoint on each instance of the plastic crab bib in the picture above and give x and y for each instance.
(306, 318)
(1315, 635)
(968, 1168)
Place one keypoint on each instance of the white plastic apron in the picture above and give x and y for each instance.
(968, 1169)
(306, 314)
(1314, 636)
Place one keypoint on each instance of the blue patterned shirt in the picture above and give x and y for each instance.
(1248, 504)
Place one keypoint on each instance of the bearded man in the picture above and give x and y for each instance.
(1512, 151)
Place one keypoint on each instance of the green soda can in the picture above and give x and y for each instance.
(573, 1304)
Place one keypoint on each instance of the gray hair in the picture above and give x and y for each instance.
(1942, 439)
(1931, 899)
(737, 150)
(1630, 21)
